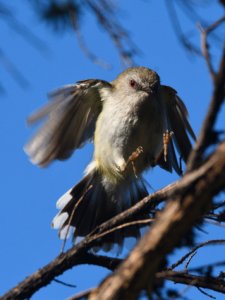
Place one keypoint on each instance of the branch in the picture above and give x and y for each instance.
(189, 201)
(119, 36)
(205, 46)
(188, 204)
(78, 254)
(183, 258)
(207, 135)
(82, 295)
(84, 48)
(212, 283)
(73, 257)
(12, 70)
(181, 36)
(143, 206)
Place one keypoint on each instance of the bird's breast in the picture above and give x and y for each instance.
(121, 128)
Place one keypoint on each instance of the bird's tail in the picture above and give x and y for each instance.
(92, 202)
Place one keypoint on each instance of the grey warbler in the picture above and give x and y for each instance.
(135, 123)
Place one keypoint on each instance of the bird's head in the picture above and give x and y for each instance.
(138, 80)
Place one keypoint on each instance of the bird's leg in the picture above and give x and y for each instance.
(131, 159)
(167, 137)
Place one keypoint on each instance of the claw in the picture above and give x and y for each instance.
(136, 153)
(167, 137)
(132, 158)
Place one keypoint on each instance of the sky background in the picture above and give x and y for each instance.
(29, 194)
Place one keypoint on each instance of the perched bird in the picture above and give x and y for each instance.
(135, 123)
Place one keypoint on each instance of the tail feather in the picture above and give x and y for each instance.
(92, 202)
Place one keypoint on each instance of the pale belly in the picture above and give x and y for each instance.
(119, 132)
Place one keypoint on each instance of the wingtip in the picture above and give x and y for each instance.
(63, 200)
(59, 220)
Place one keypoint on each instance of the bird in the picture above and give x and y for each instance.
(134, 122)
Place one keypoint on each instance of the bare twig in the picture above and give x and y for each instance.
(189, 260)
(183, 38)
(10, 18)
(141, 207)
(12, 69)
(205, 45)
(213, 283)
(75, 256)
(65, 283)
(128, 224)
(216, 223)
(208, 135)
(90, 55)
(202, 268)
(206, 294)
(221, 204)
(116, 32)
(24, 32)
(183, 258)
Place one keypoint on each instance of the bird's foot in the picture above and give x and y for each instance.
(131, 159)
(167, 137)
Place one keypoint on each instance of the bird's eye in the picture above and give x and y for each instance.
(133, 83)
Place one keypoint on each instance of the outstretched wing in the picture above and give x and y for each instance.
(70, 119)
(176, 120)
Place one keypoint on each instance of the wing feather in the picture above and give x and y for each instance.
(69, 121)
(176, 115)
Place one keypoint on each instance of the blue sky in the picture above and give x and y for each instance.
(28, 194)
